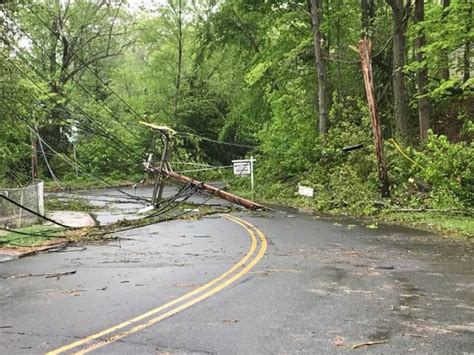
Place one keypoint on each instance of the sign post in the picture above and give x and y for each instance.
(251, 173)
(244, 167)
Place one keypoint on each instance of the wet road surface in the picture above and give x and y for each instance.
(323, 286)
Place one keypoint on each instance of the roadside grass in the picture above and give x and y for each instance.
(453, 225)
(41, 235)
(447, 223)
(85, 183)
(78, 205)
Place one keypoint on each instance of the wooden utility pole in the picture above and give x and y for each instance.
(209, 188)
(164, 166)
(365, 49)
(164, 170)
(34, 157)
(159, 183)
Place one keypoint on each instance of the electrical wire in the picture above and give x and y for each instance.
(171, 218)
(76, 82)
(187, 134)
(53, 175)
(82, 168)
(206, 169)
(130, 108)
(40, 235)
(70, 162)
(184, 134)
(106, 134)
(34, 212)
(163, 210)
(79, 164)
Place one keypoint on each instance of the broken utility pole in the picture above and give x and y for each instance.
(365, 49)
(164, 170)
(208, 188)
(159, 183)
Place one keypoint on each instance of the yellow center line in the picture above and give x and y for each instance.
(202, 297)
(170, 313)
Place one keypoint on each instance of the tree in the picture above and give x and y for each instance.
(400, 12)
(467, 43)
(444, 70)
(368, 15)
(67, 40)
(177, 12)
(316, 7)
(424, 106)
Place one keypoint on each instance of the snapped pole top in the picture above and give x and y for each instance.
(162, 129)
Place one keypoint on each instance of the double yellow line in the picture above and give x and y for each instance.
(145, 320)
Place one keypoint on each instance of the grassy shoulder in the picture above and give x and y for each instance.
(30, 236)
(78, 205)
(450, 224)
(86, 183)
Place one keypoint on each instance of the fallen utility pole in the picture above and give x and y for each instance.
(164, 170)
(208, 188)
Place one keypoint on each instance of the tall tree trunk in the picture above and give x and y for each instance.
(467, 45)
(424, 105)
(321, 65)
(179, 24)
(368, 15)
(444, 70)
(400, 103)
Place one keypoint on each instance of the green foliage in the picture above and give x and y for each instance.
(438, 175)
(448, 168)
(239, 72)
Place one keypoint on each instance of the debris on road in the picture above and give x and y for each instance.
(368, 343)
(338, 341)
(46, 276)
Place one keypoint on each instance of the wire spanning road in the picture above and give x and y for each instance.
(247, 284)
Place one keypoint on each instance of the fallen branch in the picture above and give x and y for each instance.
(47, 276)
(368, 343)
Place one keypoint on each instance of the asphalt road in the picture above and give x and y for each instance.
(296, 283)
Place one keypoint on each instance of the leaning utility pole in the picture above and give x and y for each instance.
(159, 183)
(365, 49)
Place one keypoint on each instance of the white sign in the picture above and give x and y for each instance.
(242, 167)
(305, 191)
